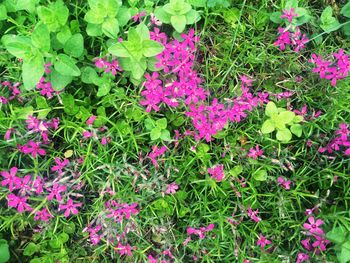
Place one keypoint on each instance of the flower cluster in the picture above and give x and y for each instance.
(255, 152)
(335, 68)
(10, 91)
(45, 86)
(156, 152)
(95, 133)
(263, 241)
(341, 140)
(217, 172)
(316, 241)
(167, 253)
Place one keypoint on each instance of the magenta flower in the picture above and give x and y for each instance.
(91, 120)
(217, 172)
(156, 152)
(124, 250)
(314, 226)
(343, 131)
(69, 208)
(18, 202)
(284, 183)
(10, 178)
(55, 191)
(33, 148)
(262, 241)
(302, 257)
(254, 214)
(7, 135)
(289, 14)
(321, 243)
(306, 244)
(171, 188)
(59, 165)
(255, 152)
(43, 215)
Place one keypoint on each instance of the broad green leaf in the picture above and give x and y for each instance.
(88, 75)
(110, 27)
(337, 235)
(271, 109)
(162, 15)
(94, 30)
(134, 37)
(74, 46)
(30, 249)
(296, 129)
(3, 12)
(284, 135)
(64, 35)
(47, 16)
(298, 118)
(18, 46)
(41, 37)
(138, 68)
(178, 22)
(192, 17)
(123, 16)
(344, 255)
(177, 7)
(286, 116)
(291, 4)
(32, 71)
(69, 103)
(346, 29)
(104, 89)
(66, 66)
(198, 3)
(59, 81)
(4, 251)
(61, 12)
(155, 133)
(28, 5)
(345, 11)
(63, 237)
(276, 17)
(162, 123)
(328, 22)
(111, 6)
(260, 175)
(165, 135)
(268, 127)
(149, 124)
(119, 50)
(237, 170)
(94, 17)
(151, 48)
(143, 31)
(23, 112)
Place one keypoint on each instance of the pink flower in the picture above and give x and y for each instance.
(33, 148)
(156, 152)
(314, 226)
(91, 120)
(55, 191)
(306, 244)
(171, 188)
(217, 172)
(254, 214)
(262, 241)
(18, 202)
(138, 17)
(255, 153)
(321, 243)
(302, 257)
(104, 140)
(289, 14)
(123, 250)
(10, 178)
(284, 183)
(59, 165)
(43, 215)
(87, 134)
(69, 208)
(7, 135)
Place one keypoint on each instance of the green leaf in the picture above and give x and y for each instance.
(151, 48)
(291, 4)
(18, 46)
(345, 11)
(41, 37)
(155, 133)
(296, 129)
(162, 15)
(198, 3)
(143, 31)
(4, 251)
(267, 127)
(286, 116)
(30, 249)
(123, 16)
(344, 255)
(119, 50)
(66, 66)
(61, 12)
(110, 27)
(178, 22)
(260, 175)
(23, 112)
(162, 123)
(275, 17)
(3, 12)
(64, 35)
(298, 118)
(59, 81)
(138, 68)
(237, 170)
(284, 135)
(74, 46)
(94, 30)
(103, 89)
(28, 5)
(88, 75)
(63, 237)
(165, 135)
(69, 104)
(192, 17)
(32, 71)
(271, 109)
(328, 22)
(94, 17)
(337, 235)
(346, 29)
(177, 7)
(149, 124)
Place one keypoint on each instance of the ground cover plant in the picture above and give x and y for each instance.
(174, 131)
